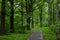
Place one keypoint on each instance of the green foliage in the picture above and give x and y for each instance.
(21, 32)
(53, 28)
(16, 36)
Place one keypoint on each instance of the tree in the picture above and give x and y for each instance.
(49, 13)
(22, 14)
(22, 11)
(12, 16)
(32, 2)
(28, 14)
(54, 13)
(40, 16)
(3, 13)
(57, 27)
(41, 12)
(57, 20)
(0, 19)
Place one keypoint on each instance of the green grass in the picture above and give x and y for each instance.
(16, 36)
(48, 34)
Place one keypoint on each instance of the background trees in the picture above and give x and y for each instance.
(22, 15)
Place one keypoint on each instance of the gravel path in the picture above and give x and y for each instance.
(36, 35)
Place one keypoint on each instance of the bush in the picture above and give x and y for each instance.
(53, 28)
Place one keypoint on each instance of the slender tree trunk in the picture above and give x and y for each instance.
(49, 15)
(54, 14)
(12, 16)
(29, 12)
(28, 17)
(57, 27)
(57, 22)
(32, 21)
(3, 13)
(32, 13)
(41, 18)
(0, 18)
(40, 9)
(22, 13)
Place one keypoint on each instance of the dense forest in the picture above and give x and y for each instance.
(19, 19)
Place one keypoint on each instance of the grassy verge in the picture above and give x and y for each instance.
(48, 34)
(16, 36)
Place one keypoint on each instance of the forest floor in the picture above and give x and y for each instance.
(36, 35)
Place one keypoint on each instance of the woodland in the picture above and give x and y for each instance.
(19, 19)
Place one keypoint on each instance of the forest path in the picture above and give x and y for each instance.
(36, 35)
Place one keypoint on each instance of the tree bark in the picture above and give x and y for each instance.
(57, 26)
(3, 13)
(49, 14)
(12, 16)
(54, 14)
(22, 14)
(28, 14)
(40, 9)
(57, 22)
(31, 9)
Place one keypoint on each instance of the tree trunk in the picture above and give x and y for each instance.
(40, 9)
(28, 17)
(32, 21)
(32, 13)
(57, 26)
(3, 13)
(12, 16)
(49, 15)
(22, 14)
(57, 22)
(0, 18)
(54, 13)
